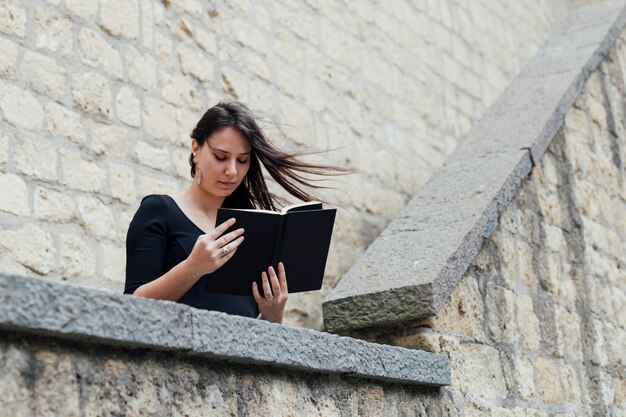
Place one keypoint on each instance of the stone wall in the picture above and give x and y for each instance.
(97, 99)
(537, 326)
(121, 382)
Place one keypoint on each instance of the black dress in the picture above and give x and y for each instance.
(161, 236)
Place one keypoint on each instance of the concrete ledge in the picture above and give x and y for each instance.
(86, 315)
(409, 271)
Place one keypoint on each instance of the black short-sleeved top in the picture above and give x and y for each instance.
(161, 236)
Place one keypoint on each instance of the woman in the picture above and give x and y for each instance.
(173, 244)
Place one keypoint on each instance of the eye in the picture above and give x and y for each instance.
(242, 161)
(219, 158)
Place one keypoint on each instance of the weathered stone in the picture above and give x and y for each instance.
(122, 180)
(96, 218)
(483, 372)
(44, 74)
(81, 174)
(20, 107)
(120, 18)
(76, 257)
(619, 384)
(463, 313)
(15, 195)
(63, 122)
(545, 312)
(147, 23)
(186, 121)
(500, 314)
(36, 158)
(233, 83)
(548, 383)
(13, 18)
(92, 93)
(507, 253)
(527, 322)
(109, 140)
(152, 156)
(195, 64)
(8, 57)
(615, 338)
(113, 265)
(163, 50)
(35, 254)
(141, 68)
(569, 334)
(524, 376)
(128, 109)
(323, 407)
(248, 35)
(53, 32)
(178, 91)
(151, 185)
(526, 259)
(95, 51)
(571, 385)
(549, 271)
(83, 313)
(180, 160)
(53, 206)
(4, 149)
(206, 40)
(85, 9)
(159, 120)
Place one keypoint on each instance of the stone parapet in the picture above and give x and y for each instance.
(410, 270)
(33, 306)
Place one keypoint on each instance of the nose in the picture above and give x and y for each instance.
(231, 168)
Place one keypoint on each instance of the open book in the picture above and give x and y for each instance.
(298, 236)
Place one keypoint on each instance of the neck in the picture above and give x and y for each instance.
(202, 200)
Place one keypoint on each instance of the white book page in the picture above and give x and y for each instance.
(287, 208)
(255, 210)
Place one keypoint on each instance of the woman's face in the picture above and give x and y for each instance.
(224, 160)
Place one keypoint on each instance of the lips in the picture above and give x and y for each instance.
(227, 184)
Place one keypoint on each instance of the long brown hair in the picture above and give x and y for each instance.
(286, 168)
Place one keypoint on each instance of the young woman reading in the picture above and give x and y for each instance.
(173, 244)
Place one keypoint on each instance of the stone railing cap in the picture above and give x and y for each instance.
(85, 315)
(409, 271)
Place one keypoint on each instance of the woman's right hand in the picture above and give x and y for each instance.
(211, 251)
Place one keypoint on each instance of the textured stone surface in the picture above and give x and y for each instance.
(20, 107)
(15, 200)
(552, 336)
(426, 250)
(390, 91)
(89, 315)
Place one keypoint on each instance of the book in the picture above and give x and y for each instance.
(298, 236)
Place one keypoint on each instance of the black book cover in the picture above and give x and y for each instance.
(300, 238)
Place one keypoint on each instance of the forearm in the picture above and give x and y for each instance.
(172, 285)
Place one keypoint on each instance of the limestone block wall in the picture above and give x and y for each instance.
(97, 99)
(537, 326)
(115, 381)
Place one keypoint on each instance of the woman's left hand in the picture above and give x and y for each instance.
(272, 304)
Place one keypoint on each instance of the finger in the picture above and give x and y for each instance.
(227, 238)
(226, 249)
(255, 293)
(282, 278)
(274, 282)
(225, 258)
(267, 292)
(215, 233)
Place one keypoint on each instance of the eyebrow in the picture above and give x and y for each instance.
(226, 152)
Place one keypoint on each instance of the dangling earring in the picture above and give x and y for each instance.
(198, 177)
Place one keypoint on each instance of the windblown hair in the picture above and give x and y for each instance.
(284, 167)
